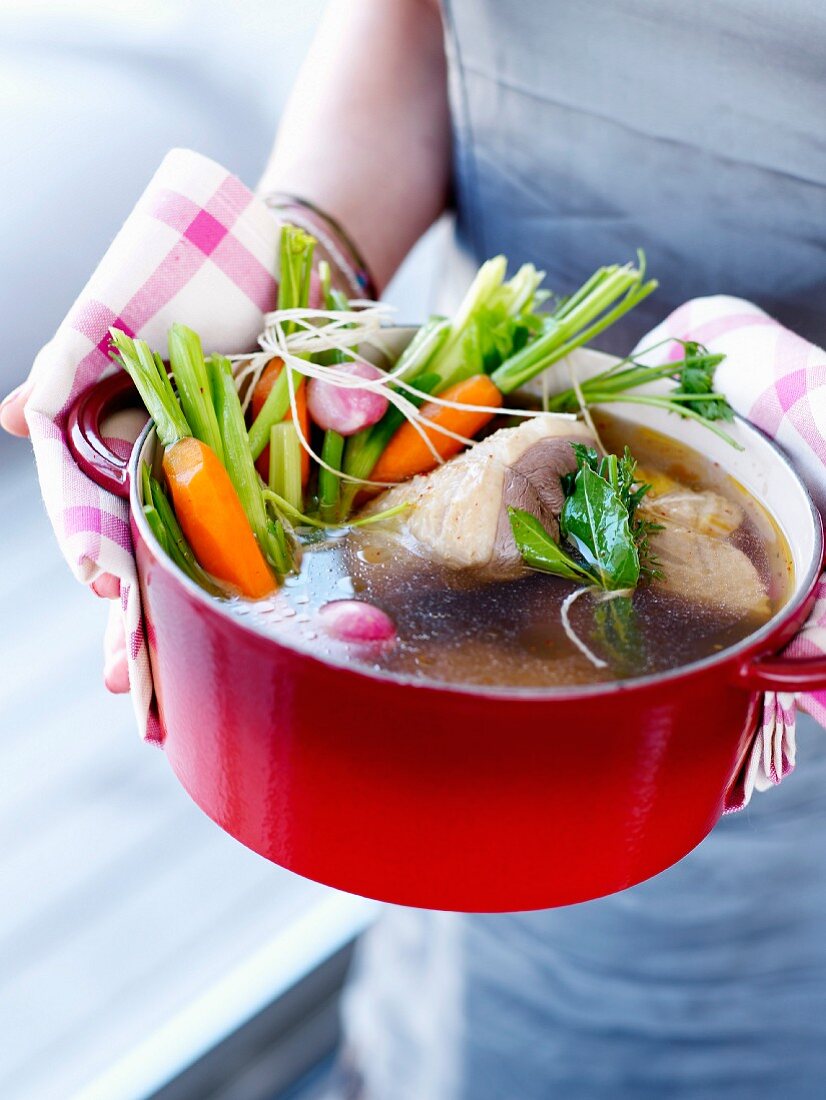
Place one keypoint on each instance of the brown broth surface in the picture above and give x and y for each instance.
(453, 629)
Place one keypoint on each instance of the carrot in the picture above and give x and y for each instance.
(259, 395)
(213, 519)
(210, 507)
(407, 454)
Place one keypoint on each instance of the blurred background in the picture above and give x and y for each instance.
(142, 952)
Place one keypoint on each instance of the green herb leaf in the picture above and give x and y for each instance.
(632, 494)
(697, 378)
(693, 397)
(539, 550)
(599, 518)
(596, 520)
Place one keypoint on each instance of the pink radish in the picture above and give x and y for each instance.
(346, 409)
(356, 621)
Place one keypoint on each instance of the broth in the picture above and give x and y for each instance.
(454, 629)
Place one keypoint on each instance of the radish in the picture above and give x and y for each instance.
(344, 408)
(356, 621)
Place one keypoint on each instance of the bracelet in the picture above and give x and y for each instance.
(334, 242)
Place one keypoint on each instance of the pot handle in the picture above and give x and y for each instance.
(784, 674)
(84, 436)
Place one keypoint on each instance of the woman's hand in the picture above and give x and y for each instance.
(107, 586)
(12, 408)
(115, 670)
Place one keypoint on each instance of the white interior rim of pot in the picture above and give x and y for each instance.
(805, 543)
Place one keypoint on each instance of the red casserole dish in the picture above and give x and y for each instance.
(444, 797)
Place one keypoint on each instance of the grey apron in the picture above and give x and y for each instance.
(584, 129)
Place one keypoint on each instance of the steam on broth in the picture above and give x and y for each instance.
(462, 627)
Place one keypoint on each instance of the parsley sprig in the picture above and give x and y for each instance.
(693, 396)
(696, 383)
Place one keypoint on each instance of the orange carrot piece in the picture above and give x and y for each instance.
(213, 519)
(259, 395)
(407, 454)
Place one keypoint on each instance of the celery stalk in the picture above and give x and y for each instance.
(238, 458)
(452, 363)
(428, 341)
(605, 297)
(489, 302)
(295, 256)
(285, 464)
(273, 411)
(329, 484)
(159, 531)
(332, 449)
(146, 485)
(189, 370)
(295, 262)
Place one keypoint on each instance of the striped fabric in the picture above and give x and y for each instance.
(776, 380)
(198, 248)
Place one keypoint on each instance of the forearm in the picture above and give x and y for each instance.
(366, 131)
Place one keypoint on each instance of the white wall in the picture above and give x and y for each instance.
(92, 94)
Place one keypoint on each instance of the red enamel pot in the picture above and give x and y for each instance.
(435, 796)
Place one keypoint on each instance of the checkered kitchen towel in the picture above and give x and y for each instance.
(776, 380)
(198, 248)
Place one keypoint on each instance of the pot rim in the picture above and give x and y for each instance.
(751, 645)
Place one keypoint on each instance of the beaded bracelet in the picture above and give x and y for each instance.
(334, 243)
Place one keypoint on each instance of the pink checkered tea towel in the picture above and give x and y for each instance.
(198, 248)
(776, 380)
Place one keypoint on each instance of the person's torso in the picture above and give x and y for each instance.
(708, 981)
(586, 129)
